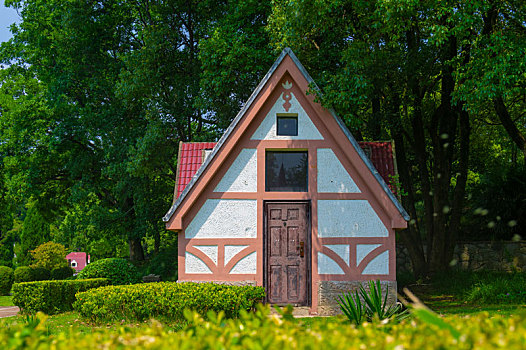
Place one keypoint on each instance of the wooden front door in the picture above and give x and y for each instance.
(287, 252)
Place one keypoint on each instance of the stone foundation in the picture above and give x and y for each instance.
(329, 291)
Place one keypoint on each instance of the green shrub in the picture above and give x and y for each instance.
(259, 331)
(118, 271)
(49, 255)
(41, 274)
(62, 273)
(23, 274)
(51, 297)
(165, 300)
(6, 279)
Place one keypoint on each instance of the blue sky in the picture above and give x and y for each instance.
(8, 16)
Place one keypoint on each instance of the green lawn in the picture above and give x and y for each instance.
(465, 293)
(6, 300)
(448, 305)
(71, 320)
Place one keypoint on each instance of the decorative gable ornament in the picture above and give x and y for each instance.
(287, 199)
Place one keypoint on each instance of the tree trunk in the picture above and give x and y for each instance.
(515, 134)
(136, 250)
(460, 188)
(443, 130)
(411, 236)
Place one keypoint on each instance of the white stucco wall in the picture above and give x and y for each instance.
(242, 174)
(378, 266)
(247, 265)
(192, 264)
(328, 266)
(341, 249)
(332, 176)
(208, 250)
(232, 250)
(348, 218)
(224, 218)
(362, 250)
(306, 129)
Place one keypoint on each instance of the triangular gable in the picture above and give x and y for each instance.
(257, 99)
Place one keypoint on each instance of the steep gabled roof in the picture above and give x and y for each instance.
(246, 107)
(191, 158)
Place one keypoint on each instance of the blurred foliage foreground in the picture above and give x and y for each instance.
(425, 330)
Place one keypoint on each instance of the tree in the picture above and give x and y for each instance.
(35, 231)
(235, 54)
(398, 72)
(50, 256)
(495, 71)
(99, 131)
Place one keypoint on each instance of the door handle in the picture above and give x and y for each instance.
(302, 249)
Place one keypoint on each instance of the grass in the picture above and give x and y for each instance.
(448, 295)
(6, 300)
(59, 323)
(463, 293)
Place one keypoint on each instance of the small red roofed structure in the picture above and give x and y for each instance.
(78, 260)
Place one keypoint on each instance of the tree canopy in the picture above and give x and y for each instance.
(96, 96)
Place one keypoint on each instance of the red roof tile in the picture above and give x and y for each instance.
(191, 158)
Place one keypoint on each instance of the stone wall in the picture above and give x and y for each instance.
(329, 291)
(473, 256)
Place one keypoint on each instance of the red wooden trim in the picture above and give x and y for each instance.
(341, 263)
(204, 258)
(369, 257)
(354, 240)
(284, 144)
(220, 241)
(238, 257)
(212, 278)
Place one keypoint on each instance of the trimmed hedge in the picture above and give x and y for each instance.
(23, 274)
(41, 273)
(51, 297)
(118, 271)
(61, 273)
(165, 300)
(259, 331)
(6, 279)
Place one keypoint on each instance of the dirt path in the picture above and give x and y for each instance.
(8, 311)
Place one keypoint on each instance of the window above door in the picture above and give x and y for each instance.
(286, 171)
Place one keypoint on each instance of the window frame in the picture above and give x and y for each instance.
(304, 151)
(293, 116)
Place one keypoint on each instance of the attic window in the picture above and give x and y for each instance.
(286, 171)
(287, 124)
(73, 263)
